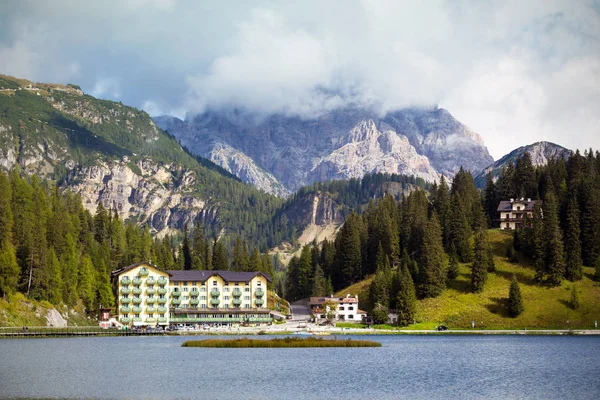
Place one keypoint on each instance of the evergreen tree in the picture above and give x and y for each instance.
(491, 200)
(319, 283)
(379, 289)
(220, 259)
(536, 243)
(480, 263)
(459, 230)
(380, 314)
(574, 301)
(186, 250)
(491, 263)
(573, 271)
(553, 238)
(590, 221)
(86, 283)
(406, 299)
(239, 258)
(515, 301)
(6, 214)
(9, 268)
(432, 270)
(453, 267)
(255, 262)
(199, 248)
(348, 251)
(104, 294)
(441, 205)
(55, 283)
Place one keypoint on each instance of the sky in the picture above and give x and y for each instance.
(516, 72)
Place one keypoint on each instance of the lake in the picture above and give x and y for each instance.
(415, 367)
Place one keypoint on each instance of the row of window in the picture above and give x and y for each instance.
(203, 289)
(215, 283)
(147, 316)
(226, 305)
(349, 308)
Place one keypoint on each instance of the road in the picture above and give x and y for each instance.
(300, 310)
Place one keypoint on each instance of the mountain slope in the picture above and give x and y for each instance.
(540, 153)
(116, 155)
(341, 144)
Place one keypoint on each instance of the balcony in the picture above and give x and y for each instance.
(137, 310)
(162, 309)
(162, 300)
(194, 293)
(176, 294)
(151, 281)
(259, 293)
(162, 320)
(125, 300)
(236, 302)
(137, 319)
(162, 291)
(259, 302)
(176, 302)
(125, 281)
(125, 291)
(137, 300)
(144, 272)
(150, 291)
(124, 320)
(215, 292)
(125, 309)
(237, 292)
(151, 300)
(151, 320)
(136, 290)
(194, 302)
(137, 282)
(150, 310)
(215, 302)
(162, 281)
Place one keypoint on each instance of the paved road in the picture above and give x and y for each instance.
(300, 310)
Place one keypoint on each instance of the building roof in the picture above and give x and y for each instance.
(202, 276)
(316, 301)
(506, 205)
(195, 275)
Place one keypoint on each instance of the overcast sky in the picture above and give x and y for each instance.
(514, 71)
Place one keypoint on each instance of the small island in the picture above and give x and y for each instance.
(279, 342)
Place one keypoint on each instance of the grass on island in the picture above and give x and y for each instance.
(279, 342)
(546, 307)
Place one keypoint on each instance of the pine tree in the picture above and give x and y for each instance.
(379, 290)
(220, 259)
(553, 238)
(491, 200)
(491, 263)
(9, 268)
(453, 267)
(406, 299)
(239, 259)
(480, 263)
(459, 231)
(348, 251)
(432, 269)
(6, 214)
(86, 283)
(573, 271)
(104, 294)
(536, 243)
(590, 221)
(441, 204)
(255, 262)
(597, 270)
(574, 301)
(319, 283)
(186, 250)
(199, 248)
(55, 283)
(515, 301)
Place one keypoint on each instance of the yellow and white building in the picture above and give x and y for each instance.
(149, 296)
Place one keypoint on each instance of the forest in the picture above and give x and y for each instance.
(414, 246)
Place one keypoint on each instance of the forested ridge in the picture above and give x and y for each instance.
(412, 247)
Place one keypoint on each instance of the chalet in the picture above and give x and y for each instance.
(346, 308)
(512, 212)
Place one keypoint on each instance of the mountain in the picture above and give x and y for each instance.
(540, 153)
(279, 154)
(116, 155)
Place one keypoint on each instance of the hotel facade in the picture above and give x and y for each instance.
(148, 296)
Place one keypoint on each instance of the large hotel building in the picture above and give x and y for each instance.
(148, 296)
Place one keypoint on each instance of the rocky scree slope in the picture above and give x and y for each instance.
(280, 154)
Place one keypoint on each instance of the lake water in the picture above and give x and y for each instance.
(415, 367)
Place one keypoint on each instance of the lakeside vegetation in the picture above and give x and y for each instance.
(279, 343)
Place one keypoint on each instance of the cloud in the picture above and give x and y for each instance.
(514, 71)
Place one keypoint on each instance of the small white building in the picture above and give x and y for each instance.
(512, 212)
(346, 308)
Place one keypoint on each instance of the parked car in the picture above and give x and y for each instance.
(442, 328)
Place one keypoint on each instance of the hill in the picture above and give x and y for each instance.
(545, 307)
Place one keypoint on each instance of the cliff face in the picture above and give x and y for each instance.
(287, 152)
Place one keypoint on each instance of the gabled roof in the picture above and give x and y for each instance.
(195, 275)
(132, 266)
(320, 300)
(506, 205)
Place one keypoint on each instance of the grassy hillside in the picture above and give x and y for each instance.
(545, 307)
(18, 310)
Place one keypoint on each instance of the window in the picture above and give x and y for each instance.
(226, 297)
(258, 283)
(226, 289)
(246, 297)
(350, 316)
(150, 315)
(518, 208)
(236, 284)
(247, 283)
(193, 283)
(203, 306)
(185, 289)
(137, 315)
(247, 306)
(202, 297)
(184, 283)
(203, 289)
(247, 289)
(151, 296)
(350, 308)
(226, 305)
(226, 283)
(175, 289)
(214, 283)
(175, 284)
(341, 308)
(126, 315)
(186, 297)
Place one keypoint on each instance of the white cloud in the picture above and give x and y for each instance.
(515, 71)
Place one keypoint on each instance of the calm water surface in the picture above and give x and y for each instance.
(415, 367)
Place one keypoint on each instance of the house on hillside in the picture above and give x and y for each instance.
(512, 212)
(344, 308)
